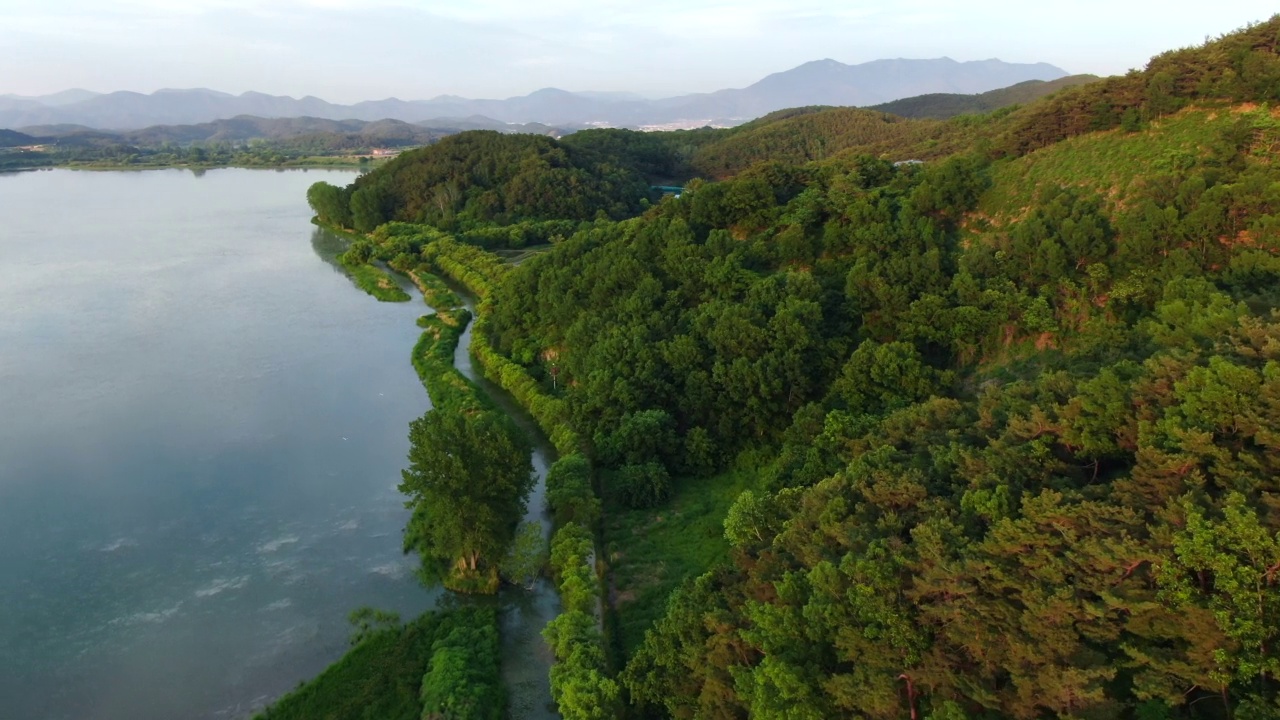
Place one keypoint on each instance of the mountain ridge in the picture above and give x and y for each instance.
(385, 132)
(940, 106)
(820, 82)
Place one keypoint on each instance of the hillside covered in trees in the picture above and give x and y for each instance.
(992, 436)
(940, 106)
(484, 178)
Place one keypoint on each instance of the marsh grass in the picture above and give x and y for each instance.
(376, 282)
(382, 677)
(651, 551)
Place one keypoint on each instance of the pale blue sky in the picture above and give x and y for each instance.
(349, 50)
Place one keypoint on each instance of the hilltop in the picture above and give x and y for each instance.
(10, 138)
(940, 106)
(482, 178)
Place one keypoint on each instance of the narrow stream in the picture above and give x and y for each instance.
(522, 613)
(526, 659)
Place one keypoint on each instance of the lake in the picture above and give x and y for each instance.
(203, 427)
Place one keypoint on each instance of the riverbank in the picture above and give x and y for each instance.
(369, 277)
(577, 635)
(406, 672)
(374, 281)
(442, 360)
(316, 163)
(580, 681)
(524, 612)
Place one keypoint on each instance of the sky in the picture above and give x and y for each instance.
(351, 50)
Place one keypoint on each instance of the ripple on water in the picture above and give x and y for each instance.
(283, 641)
(390, 493)
(148, 618)
(280, 567)
(275, 545)
(284, 572)
(221, 585)
(395, 570)
(118, 544)
(244, 709)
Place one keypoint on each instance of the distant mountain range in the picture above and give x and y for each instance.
(823, 82)
(341, 133)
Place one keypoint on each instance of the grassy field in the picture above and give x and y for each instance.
(515, 256)
(651, 551)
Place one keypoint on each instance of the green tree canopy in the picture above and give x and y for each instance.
(468, 477)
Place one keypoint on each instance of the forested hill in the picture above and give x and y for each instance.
(483, 177)
(940, 106)
(1236, 68)
(338, 134)
(10, 138)
(992, 436)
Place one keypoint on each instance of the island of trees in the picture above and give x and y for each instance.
(991, 435)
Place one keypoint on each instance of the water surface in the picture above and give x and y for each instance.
(202, 425)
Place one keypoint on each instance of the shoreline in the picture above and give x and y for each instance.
(443, 359)
(523, 612)
(319, 165)
(548, 414)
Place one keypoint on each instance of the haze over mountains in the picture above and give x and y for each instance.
(822, 82)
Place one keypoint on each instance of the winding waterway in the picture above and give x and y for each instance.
(526, 658)
(202, 428)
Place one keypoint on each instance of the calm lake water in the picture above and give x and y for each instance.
(202, 425)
